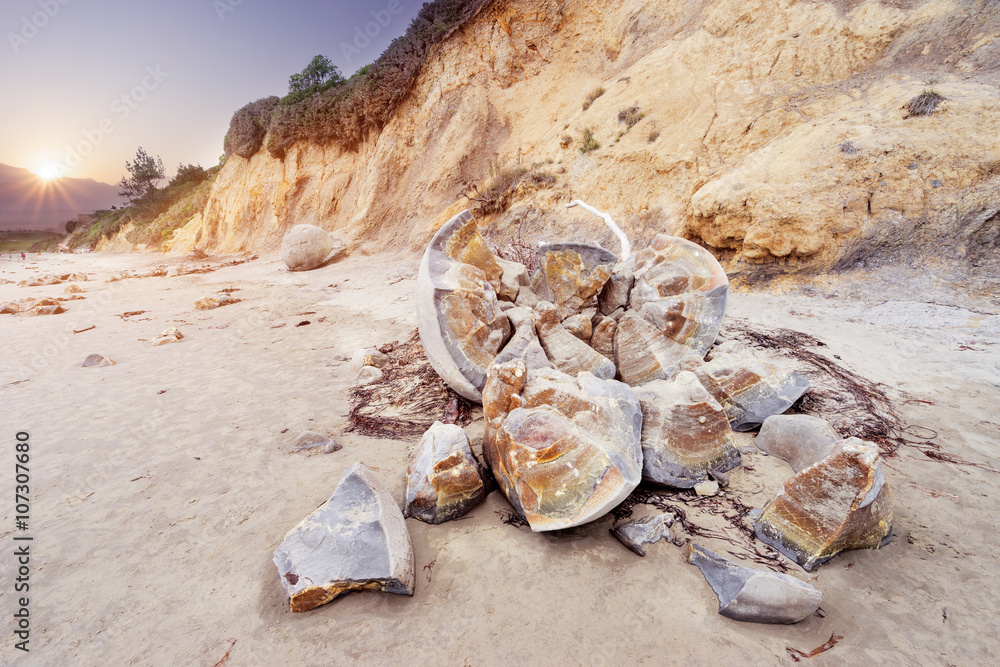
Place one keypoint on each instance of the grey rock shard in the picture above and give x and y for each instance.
(802, 440)
(312, 440)
(615, 293)
(640, 532)
(305, 247)
(357, 540)
(756, 596)
(96, 360)
(444, 479)
(514, 276)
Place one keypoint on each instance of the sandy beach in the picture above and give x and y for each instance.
(160, 486)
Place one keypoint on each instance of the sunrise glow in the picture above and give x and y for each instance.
(48, 171)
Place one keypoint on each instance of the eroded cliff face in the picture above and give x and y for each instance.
(775, 132)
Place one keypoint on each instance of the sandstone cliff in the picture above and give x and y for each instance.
(777, 133)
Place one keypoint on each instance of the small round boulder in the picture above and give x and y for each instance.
(305, 247)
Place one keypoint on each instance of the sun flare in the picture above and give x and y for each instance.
(49, 171)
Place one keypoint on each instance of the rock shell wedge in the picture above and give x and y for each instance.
(461, 326)
(357, 540)
(564, 450)
(840, 503)
(444, 479)
(685, 432)
(756, 596)
(749, 388)
(680, 288)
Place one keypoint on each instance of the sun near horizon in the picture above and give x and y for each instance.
(48, 171)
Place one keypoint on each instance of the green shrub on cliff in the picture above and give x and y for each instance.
(249, 126)
(346, 112)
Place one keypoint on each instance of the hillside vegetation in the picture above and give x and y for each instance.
(147, 225)
(346, 112)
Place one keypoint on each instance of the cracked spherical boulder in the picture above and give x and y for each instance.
(305, 247)
(444, 480)
(570, 275)
(564, 450)
(756, 596)
(685, 433)
(355, 541)
(838, 504)
(461, 326)
(681, 289)
(750, 389)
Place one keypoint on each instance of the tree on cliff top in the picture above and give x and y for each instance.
(319, 75)
(143, 174)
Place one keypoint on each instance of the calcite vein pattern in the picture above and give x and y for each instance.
(443, 479)
(757, 596)
(564, 450)
(357, 540)
(840, 503)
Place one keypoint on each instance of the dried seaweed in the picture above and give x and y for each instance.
(729, 507)
(512, 519)
(854, 406)
(797, 655)
(408, 399)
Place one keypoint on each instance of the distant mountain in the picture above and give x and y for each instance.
(28, 202)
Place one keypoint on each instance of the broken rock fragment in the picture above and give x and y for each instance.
(567, 352)
(564, 450)
(171, 335)
(643, 353)
(312, 440)
(681, 289)
(840, 503)
(802, 440)
(640, 532)
(685, 433)
(97, 361)
(750, 389)
(570, 275)
(461, 326)
(444, 479)
(757, 596)
(355, 541)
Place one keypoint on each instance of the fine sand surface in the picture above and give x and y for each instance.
(161, 486)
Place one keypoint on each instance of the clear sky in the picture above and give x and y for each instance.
(84, 83)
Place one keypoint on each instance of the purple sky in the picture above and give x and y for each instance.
(86, 82)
